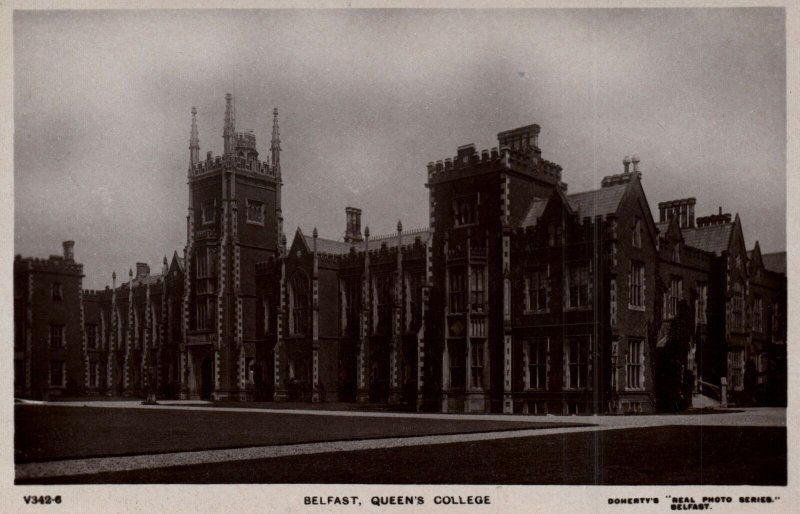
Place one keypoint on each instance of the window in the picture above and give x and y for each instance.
(458, 290)
(466, 209)
(456, 357)
(737, 369)
(265, 308)
(578, 286)
(577, 359)
(535, 358)
(536, 287)
(737, 308)
(300, 303)
(94, 374)
(250, 366)
(477, 289)
(676, 253)
(554, 234)
(633, 364)
(56, 290)
(209, 211)
(674, 296)
(57, 336)
(255, 212)
(57, 373)
(205, 313)
(91, 336)
(701, 302)
(636, 239)
(352, 310)
(758, 314)
(636, 284)
(384, 285)
(476, 365)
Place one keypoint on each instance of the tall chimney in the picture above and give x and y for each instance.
(635, 161)
(352, 233)
(626, 162)
(69, 246)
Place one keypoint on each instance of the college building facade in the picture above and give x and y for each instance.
(518, 297)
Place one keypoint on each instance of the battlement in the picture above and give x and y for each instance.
(54, 264)
(241, 164)
(518, 151)
(97, 294)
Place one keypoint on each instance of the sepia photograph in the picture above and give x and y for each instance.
(411, 247)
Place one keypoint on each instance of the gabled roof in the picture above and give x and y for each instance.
(331, 247)
(710, 238)
(598, 202)
(535, 210)
(775, 261)
(328, 246)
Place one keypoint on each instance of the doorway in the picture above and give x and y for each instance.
(206, 379)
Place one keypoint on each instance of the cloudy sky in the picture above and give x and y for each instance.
(368, 98)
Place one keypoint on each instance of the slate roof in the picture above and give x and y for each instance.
(598, 202)
(711, 238)
(775, 261)
(534, 211)
(332, 247)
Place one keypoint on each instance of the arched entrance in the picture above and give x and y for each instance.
(206, 379)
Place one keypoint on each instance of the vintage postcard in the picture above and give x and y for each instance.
(364, 258)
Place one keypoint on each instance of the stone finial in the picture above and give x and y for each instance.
(399, 226)
(314, 233)
(130, 272)
(366, 232)
(275, 145)
(194, 140)
(113, 275)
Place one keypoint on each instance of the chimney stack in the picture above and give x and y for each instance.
(69, 246)
(635, 161)
(142, 269)
(682, 209)
(626, 162)
(352, 233)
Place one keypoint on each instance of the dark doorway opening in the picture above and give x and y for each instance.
(206, 379)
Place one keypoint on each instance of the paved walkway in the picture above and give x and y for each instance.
(747, 417)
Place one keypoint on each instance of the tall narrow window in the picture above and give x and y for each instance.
(578, 285)
(536, 285)
(758, 314)
(636, 283)
(674, 296)
(457, 358)
(91, 336)
(535, 354)
(636, 238)
(458, 290)
(300, 304)
(577, 358)
(737, 368)
(265, 306)
(701, 302)
(633, 365)
(56, 290)
(57, 373)
(476, 365)
(384, 284)
(94, 374)
(352, 295)
(477, 289)
(208, 211)
(737, 307)
(56, 336)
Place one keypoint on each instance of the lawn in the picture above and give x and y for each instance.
(56, 432)
(670, 455)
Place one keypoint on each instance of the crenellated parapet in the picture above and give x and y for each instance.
(518, 151)
(240, 164)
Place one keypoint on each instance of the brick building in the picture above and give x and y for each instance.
(518, 297)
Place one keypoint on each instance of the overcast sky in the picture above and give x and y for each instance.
(368, 98)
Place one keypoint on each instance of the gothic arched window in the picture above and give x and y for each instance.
(299, 301)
